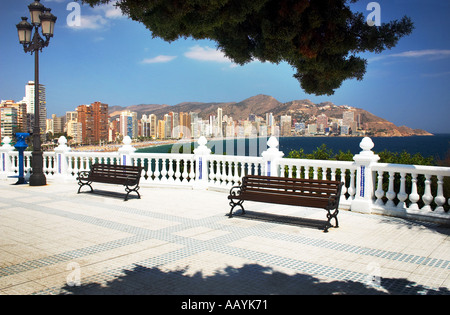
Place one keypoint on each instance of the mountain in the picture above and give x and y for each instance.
(259, 105)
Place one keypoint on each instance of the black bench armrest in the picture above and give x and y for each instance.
(235, 191)
(83, 175)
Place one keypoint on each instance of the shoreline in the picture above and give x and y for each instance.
(156, 143)
(116, 147)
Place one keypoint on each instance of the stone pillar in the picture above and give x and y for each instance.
(5, 161)
(201, 154)
(125, 151)
(62, 161)
(364, 177)
(271, 157)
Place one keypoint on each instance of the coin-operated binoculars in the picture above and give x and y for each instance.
(21, 145)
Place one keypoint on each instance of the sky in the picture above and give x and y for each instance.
(107, 57)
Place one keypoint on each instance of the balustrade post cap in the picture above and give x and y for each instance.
(126, 140)
(272, 142)
(202, 141)
(366, 145)
(6, 140)
(272, 152)
(6, 143)
(202, 149)
(62, 140)
(62, 145)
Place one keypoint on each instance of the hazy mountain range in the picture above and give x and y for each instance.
(302, 110)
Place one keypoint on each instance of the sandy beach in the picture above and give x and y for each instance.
(115, 147)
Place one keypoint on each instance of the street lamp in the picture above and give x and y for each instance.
(40, 17)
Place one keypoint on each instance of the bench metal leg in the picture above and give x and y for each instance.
(129, 189)
(84, 184)
(233, 204)
(329, 217)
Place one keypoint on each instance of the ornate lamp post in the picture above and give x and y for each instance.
(40, 18)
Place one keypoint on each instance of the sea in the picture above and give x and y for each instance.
(437, 146)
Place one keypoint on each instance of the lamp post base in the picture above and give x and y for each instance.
(37, 180)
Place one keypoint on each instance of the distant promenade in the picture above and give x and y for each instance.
(115, 147)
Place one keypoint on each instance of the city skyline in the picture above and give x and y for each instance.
(113, 59)
(90, 124)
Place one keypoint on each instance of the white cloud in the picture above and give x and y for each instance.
(432, 53)
(110, 10)
(206, 54)
(91, 22)
(159, 59)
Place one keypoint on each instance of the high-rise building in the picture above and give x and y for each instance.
(94, 120)
(160, 129)
(219, 122)
(75, 131)
(21, 107)
(29, 100)
(167, 126)
(8, 121)
(285, 125)
(153, 126)
(185, 125)
(128, 124)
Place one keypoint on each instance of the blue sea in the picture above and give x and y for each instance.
(437, 146)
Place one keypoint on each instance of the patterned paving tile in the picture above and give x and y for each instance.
(174, 246)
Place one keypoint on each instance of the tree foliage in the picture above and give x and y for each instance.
(320, 39)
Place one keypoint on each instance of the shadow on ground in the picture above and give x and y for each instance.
(252, 279)
(282, 219)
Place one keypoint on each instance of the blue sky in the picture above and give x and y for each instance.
(112, 59)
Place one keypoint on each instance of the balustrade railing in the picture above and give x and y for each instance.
(322, 169)
(369, 186)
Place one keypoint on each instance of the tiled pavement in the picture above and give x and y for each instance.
(180, 241)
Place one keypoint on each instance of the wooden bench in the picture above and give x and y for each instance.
(289, 191)
(128, 176)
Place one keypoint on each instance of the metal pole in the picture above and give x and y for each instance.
(37, 178)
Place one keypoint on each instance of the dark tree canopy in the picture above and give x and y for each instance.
(320, 39)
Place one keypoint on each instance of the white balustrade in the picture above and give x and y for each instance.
(402, 193)
(393, 189)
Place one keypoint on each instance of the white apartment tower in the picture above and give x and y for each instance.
(29, 100)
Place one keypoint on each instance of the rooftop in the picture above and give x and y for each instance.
(180, 241)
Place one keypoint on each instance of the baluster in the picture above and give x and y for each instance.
(164, 170)
(414, 196)
(333, 173)
(289, 175)
(344, 187)
(192, 169)
(157, 172)
(170, 171)
(315, 172)
(212, 174)
(379, 193)
(236, 177)
(177, 173)
(427, 196)
(440, 199)
(230, 173)
(352, 185)
(263, 168)
(391, 193)
(184, 175)
(402, 195)
(223, 175)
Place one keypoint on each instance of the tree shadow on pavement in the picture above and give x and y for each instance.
(250, 279)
